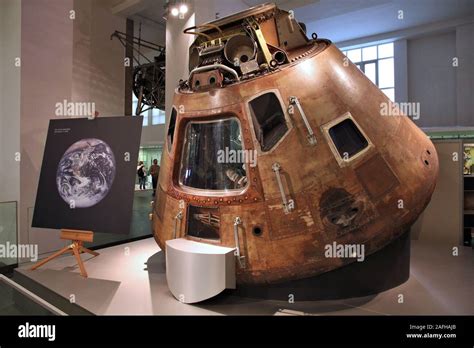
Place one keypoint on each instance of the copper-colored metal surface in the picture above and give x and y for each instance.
(370, 200)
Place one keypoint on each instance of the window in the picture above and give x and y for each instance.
(157, 116)
(268, 120)
(347, 138)
(171, 128)
(378, 64)
(211, 158)
(134, 108)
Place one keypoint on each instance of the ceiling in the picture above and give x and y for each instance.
(341, 20)
(337, 20)
(149, 11)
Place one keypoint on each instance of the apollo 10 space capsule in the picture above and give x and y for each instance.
(276, 148)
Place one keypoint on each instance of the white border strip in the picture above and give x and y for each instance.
(32, 296)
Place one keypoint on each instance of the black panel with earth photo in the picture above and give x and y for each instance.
(88, 174)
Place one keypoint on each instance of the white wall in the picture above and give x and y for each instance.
(10, 39)
(62, 59)
(98, 62)
(465, 74)
(432, 79)
(424, 71)
(47, 55)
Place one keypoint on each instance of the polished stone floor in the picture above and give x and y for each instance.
(130, 279)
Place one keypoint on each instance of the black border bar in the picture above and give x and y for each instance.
(138, 330)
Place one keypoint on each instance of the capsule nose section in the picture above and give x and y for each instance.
(196, 271)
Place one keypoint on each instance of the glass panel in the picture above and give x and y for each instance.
(386, 73)
(354, 55)
(268, 120)
(369, 53)
(212, 156)
(134, 108)
(203, 222)
(390, 92)
(157, 117)
(145, 119)
(347, 138)
(8, 230)
(171, 128)
(370, 71)
(386, 50)
(14, 302)
(147, 155)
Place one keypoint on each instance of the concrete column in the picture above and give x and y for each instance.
(177, 54)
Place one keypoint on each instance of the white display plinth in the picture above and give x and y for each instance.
(197, 271)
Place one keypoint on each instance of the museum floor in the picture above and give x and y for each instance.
(130, 279)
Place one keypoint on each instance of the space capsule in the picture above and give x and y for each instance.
(277, 148)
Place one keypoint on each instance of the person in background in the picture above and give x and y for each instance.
(141, 175)
(155, 173)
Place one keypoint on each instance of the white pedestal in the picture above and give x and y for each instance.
(197, 271)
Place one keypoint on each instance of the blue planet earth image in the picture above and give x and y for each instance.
(86, 173)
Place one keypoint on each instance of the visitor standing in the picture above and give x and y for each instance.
(155, 173)
(141, 175)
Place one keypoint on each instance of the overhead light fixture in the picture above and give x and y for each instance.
(174, 11)
(183, 9)
(176, 8)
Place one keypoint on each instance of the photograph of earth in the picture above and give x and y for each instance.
(86, 173)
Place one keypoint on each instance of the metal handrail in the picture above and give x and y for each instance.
(288, 204)
(240, 258)
(177, 218)
(311, 137)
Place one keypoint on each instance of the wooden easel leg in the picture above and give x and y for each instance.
(78, 238)
(46, 260)
(75, 249)
(85, 250)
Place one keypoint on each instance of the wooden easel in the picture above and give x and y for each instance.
(77, 248)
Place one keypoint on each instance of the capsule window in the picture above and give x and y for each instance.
(171, 129)
(268, 120)
(347, 138)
